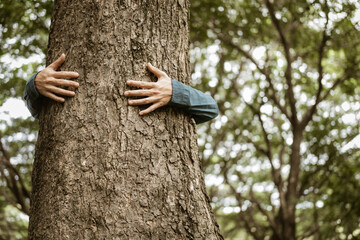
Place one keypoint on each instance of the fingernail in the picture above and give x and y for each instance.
(130, 102)
(125, 93)
(140, 113)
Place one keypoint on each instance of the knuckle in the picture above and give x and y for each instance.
(46, 71)
(67, 82)
(47, 89)
(46, 86)
(49, 80)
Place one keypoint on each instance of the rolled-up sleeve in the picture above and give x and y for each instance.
(202, 107)
(32, 97)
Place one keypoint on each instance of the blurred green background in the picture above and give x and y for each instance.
(275, 68)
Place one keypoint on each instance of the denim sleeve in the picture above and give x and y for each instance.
(32, 97)
(201, 106)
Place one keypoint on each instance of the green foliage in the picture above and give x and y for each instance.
(13, 224)
(24, 32)
(24, 27)
(240, 57)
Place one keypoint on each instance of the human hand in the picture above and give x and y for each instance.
(49, 82)
(158, 94)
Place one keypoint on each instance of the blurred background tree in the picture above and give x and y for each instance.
(23, 34)
(286, 77)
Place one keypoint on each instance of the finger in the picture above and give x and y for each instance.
(54, 97)
(143, 101)
(65, 83)
(58, 62)
(150, 109)
(158, 73)
(141, 84)
(64, 74)
(62, 92)
(138, 93)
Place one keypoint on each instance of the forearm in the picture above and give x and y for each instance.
(32, 97)
(201, 106)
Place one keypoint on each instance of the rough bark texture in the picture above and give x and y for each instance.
(101, 171)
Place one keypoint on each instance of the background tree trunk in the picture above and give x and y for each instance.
(101, 171)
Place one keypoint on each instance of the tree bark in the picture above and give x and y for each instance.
(101, 171)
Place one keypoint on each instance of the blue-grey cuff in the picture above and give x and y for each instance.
(30, 89)
(180, 94)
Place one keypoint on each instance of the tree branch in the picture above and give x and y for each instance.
(21, 193)
(288, 71)
(263, 71)
(310, 233)
(249, 223)
(309, 114)
(272, 223)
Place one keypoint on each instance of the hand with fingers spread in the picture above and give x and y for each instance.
(157, 94)
(50, 82)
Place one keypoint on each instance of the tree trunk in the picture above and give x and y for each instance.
(289, 228)
(101, 171)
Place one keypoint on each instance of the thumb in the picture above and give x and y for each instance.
(158, 73)
(55, 65)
